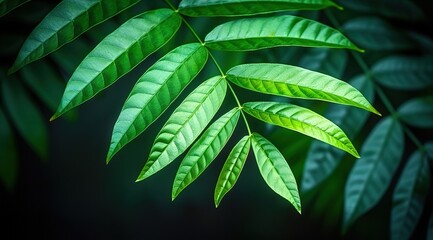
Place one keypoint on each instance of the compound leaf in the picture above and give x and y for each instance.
(185, 124)
(291, 81)
(117, 54)
(204, 151)
(418, 112)
(301, 120)
(155, 91)
(257, 33)
(275, 170)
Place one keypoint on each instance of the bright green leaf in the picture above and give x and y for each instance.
(257, 33)
(301, 120)
(205, 150)
(212, 8)
(185, 124)
(68, 20)
(291, 81)
(372, 173)
(322, 158)
(8, 154)
(404, 73)
(9, 5)
(117, 54)
(328, 61)
(275, 170)
(25, 116)
(409, 196)
(155, 91)
(232, 169)
(418, 112)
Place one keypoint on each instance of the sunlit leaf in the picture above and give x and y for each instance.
(291, 81)
(404, 73)
(418, 112)
(275, 170)
(25, 116)
(155, 91)
(9, 5)
(232, 169)
(210, 8)
(117, 54)
(301, 120)
(409, 196)
(257, 33)
(373, 33)
(185, 124)
(205, 150)
(68, 20)
(8, 155)
(372, 173)
(328, 61)
(322, 158)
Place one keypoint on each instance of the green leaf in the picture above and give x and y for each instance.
(155, 91)
(373, 33)
(232, 169)
(418, 112)
(409, 196)
(25, 116)
(212, 8)
(8, 154)
(42, 78)
(117, 54)
(185, 124)
(328, 61)
(301, 120)
(322, 158)
(205, 150)
(404, 73)
(372, 173)
(9, 5)
(68, 20)
(275, 170)
(257, 33)
(291, 81)
(429, 149)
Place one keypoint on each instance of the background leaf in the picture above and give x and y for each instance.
(8, 155)
(205, 150)
(372, 173)
(185, 125)
(327, 61)
(418, 112)
(232, 169)
(409, 196)
(212, 8)
(404, 73)
(9, 5)
(68, 20)
(117, 54)
(301, 120)
(257, 33)
(291, 81)
(155, 91)
(275, 170)
(322, 158)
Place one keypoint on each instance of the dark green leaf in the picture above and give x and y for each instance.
(117, 54)
(205, 150)
(232, 169)
(68, 20)
(212, 8)
(257, 33)
(291, 81)
(322, 158)
(9, 5)
(8, 155)
(275, 170)
(155, 91)
(372, 173)
(418, 112)
(409, 196)
(185, 125)
(301, 120)
(328, 61)
(404, 73)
